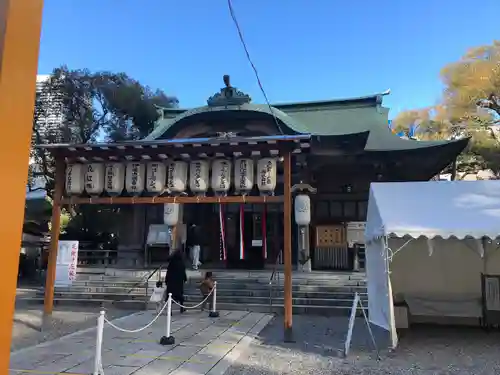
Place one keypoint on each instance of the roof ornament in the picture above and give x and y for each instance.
(226, 135)
(228, 96)
(303, 188)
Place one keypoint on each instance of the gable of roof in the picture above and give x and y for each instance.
(165, 125)
(299, 117)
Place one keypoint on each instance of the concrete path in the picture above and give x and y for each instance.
(203, 346)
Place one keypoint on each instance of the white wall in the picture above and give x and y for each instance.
(453, 269)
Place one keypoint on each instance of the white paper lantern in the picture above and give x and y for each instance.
(302, 209)
(155, 177)
(75, 174)
(171, 213)
(115, 178)
(134, 178)
(243, 175)
(198, 177)
(94, 178)
(177, 176)
(266, 175)
(221, 176)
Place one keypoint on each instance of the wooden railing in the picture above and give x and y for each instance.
(275, 275)
(97, 257)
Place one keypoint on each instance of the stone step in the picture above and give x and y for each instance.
(195, 292)
(242, 301)
(86, 272)
(278, 294)
(196, 298)
(334, 279)
(224, 284)
(152, 283)
(316, 293)
(141, 305)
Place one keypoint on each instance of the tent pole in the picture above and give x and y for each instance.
(392, 321)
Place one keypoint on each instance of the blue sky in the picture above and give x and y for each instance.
(304, 49)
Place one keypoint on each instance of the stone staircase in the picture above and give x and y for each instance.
(313, 293)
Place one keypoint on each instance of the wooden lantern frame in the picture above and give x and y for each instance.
(280, 146)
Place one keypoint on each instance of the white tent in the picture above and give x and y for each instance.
(427, 244)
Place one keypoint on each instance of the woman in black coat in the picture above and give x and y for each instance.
(176, 277)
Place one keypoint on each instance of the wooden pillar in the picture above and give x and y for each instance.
(20, 23)
(55, 225)
(287, 251)
(173, 240)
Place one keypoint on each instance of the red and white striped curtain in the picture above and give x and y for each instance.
(264, 231)
(222, 227)
(242, 231)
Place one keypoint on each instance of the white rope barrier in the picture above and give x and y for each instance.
(139, 329)
(101, 321)
(98, 369)
(198, 305)
(168, 339)
(214, 313)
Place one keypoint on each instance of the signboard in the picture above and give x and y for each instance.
(256, 243)
(67, 259)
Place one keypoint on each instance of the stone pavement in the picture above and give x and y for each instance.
(203, 346)
(29, 328)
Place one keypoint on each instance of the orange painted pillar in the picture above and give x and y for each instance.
(55, 225)
(20, 25)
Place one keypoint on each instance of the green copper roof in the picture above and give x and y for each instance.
(323, 118)
(165, 124)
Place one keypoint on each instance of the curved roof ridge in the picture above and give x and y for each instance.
(287, 120)
(308, 102)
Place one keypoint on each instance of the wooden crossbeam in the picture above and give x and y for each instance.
(163, 200)
(162, 153)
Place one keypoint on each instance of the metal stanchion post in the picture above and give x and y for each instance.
(214, 313)
(168, 339)
(98, 344)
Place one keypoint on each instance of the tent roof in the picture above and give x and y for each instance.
(460, 209)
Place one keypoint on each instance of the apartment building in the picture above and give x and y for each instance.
(49, 116)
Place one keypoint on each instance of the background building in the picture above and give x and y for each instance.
(351, 146)
(49, 115)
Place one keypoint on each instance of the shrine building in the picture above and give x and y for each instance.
(201, 159)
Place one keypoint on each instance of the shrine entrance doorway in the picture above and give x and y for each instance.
(253, 234)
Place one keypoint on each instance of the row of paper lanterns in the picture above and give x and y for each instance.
(176, 177)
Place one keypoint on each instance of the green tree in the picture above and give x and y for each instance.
(472, 101)
(79, 106)
(470, 106)
(472, 87)
(406, 119)
(132, 106)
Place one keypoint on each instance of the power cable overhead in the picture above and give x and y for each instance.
(256, 73)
